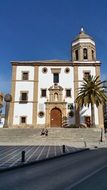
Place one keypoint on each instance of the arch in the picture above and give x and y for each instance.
(93, 56)
(56, 117)
(85, 53)
(76, 55)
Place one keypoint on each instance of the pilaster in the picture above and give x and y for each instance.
(35, 95)
(13, 86)
(100, 107)
(77, 115)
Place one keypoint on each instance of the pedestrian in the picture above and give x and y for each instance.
(46, 132)
(43, 132)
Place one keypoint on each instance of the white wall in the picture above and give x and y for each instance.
(46, 81)
(2, 123)
(22, 110)
(66, 80)
(24, 86)
(21, 69)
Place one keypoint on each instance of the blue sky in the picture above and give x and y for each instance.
(44, 29)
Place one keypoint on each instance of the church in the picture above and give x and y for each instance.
(44, 92)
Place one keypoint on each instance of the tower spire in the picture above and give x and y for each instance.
(82, 29)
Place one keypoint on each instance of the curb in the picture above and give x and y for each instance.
(41, 161)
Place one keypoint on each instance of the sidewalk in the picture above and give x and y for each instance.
(45, 148)
(11, 156)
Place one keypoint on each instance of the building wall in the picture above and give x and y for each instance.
(20, 69)
(46, 81)
(23, 109)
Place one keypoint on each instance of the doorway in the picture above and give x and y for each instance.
(56, 117)
(88, 121)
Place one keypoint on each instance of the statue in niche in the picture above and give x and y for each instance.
(56, 97)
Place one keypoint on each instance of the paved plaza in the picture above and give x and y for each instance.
(37, 147)
(11, 156)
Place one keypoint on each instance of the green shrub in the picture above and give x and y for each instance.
(72, 126)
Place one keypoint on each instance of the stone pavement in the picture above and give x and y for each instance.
(11, 156)
(36, 147)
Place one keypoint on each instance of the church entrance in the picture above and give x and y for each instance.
(56, 117)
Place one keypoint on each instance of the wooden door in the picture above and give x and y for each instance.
(56, 118)
(88, 121)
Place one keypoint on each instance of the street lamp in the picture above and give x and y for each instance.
(1, 105)
(7, 99)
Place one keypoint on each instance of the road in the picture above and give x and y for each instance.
(57, 174)
(95, 182)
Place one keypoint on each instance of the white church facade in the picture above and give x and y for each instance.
(44, 92)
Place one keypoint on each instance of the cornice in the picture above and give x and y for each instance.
(56, 63)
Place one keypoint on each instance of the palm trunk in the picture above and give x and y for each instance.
(92, 116)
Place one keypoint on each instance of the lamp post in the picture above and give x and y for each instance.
(7, 99)
(1, 104)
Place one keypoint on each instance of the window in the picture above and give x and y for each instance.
(43, 92)
(70, 106)
(23, 120)
(68, 92)
(24, 96)
(76, 55)
(67, 70)
(85, 55)
(93, 58)
(71, 114)
(25, 76)
(44, 70)
(86, 74)
(56, 77)
(41, 114)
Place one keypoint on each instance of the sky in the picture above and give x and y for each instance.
(44, 29)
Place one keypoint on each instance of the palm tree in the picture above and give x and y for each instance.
(91, 93)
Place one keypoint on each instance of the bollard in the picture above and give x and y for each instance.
(102, 138)
(85, 144)
(63, 148)
(23, 156)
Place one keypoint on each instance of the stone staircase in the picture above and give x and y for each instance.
(32, 136)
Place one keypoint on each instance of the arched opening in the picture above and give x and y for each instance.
(93, 57)
(76, 55)
(85, 54)
(56, 117)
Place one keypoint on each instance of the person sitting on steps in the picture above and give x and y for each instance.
(46, 132)
(43, 132)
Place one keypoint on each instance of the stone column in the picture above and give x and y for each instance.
(8, 99)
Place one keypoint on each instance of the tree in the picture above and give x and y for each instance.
(91, 92)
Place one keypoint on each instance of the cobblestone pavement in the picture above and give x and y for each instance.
(11, 156)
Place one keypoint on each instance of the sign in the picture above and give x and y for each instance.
(70, 106)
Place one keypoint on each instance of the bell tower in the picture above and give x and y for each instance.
(83, 48)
